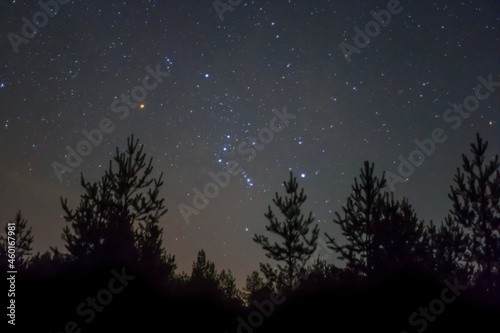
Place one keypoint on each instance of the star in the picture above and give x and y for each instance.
(217, 109)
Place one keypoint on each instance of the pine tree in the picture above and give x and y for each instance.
(383, 235)
(227, 284)
(204, 279)
(118, 217)
(321, 274)
(363, 209)
(476, 207)
(256, 289)
(401, 240)
(299, 243)
(19, 232)
(450, 254)
(203, 273)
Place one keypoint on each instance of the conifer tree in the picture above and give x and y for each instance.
(383, 235)
(118, 217)
(450, 251)
(256, 288)
(227, 284)
(476, 207)
(205, 279)
(363, 209)
(321, 274)
(401, 240)
(203, 273)
(17, 231)
(298, 241)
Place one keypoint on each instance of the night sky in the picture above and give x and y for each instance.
(217, 88)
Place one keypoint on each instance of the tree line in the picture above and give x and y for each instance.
(116, 224)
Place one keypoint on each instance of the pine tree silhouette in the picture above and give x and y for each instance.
(203, 274)
(299, 243)
(321, 275)
(227, 284)
(204, 279)
(118, 217)
(476, 207)
(383, 235)
(18, 232)
(256, 289)
(362, 211)
(401, 240)
(451, 257)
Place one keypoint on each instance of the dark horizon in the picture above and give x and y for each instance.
(115, 235)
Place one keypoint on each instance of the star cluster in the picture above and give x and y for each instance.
(222, 84)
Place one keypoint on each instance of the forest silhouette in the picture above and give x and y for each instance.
(401, 274)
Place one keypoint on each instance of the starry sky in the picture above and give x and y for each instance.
(201, 88)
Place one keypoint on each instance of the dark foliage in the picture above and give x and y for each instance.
(16, 231)
(117, 220)
(476, 208)
(298, 241)
(381, 235)
(401, 275)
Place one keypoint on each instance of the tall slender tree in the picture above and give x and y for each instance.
(362, 210)
(476, 207)
(298, 240)
(17, 231)
(118, 217)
